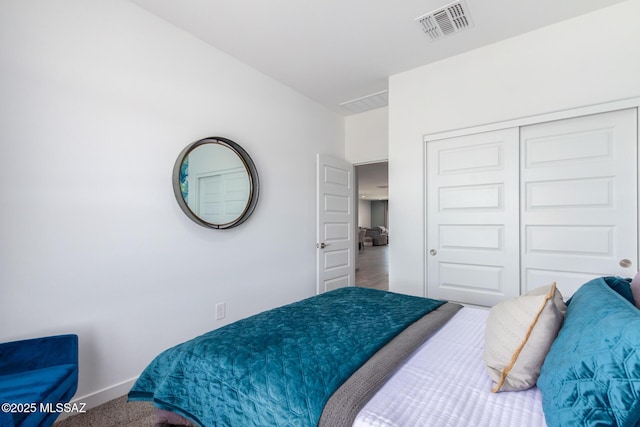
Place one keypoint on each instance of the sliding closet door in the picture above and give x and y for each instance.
(578, 204)
(472, 218)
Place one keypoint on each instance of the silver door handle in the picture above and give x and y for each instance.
(433, 252)
(321, 245)
(625, 263)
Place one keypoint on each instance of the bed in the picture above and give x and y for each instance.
(362, 357)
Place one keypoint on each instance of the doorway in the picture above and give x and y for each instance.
(372, 257)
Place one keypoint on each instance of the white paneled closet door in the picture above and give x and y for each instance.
(515, 209)
(579, 200)
(472, 218)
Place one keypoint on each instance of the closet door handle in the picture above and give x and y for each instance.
(625, 263)
(433, 252)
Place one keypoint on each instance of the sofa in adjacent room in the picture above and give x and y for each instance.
(378, 236)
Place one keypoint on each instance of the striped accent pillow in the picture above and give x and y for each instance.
(518, 336)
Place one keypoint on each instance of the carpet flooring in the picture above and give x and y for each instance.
(115, 413)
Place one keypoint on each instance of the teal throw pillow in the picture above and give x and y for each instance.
(591, 375)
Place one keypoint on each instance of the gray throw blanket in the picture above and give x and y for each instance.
(347, 401)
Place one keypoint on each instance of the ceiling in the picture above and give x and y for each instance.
(335, 51)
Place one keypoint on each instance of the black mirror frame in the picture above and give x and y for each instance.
(254, 182)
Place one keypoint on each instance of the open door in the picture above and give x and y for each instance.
(335, 260)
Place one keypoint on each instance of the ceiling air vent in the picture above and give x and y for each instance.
(366, 103)
(447, 20)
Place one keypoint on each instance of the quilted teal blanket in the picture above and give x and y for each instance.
(279, 367)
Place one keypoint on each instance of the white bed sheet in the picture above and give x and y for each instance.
(445, 384)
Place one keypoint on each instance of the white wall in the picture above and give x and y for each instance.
(587, 60)
(367, 136)
(364, 213)
(98, 99)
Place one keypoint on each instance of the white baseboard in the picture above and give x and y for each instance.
(101, 396)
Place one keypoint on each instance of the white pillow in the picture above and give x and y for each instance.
(518, 336)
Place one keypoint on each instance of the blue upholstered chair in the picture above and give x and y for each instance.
(35, 375)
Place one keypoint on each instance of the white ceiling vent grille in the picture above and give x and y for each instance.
(366, 103)
(447, 20)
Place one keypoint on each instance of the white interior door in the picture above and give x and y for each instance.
(579, 200)
(472, 218)
(221, 196)
(335, 262)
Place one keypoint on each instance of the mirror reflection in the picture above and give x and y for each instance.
(215, 183)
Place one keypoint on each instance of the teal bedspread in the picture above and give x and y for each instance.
(279, 367)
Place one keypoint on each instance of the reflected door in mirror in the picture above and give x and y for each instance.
(216, 183)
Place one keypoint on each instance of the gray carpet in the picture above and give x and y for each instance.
(115, 413)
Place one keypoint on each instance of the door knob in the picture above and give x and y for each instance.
(625, 263)
(433, 252)
(322, 245)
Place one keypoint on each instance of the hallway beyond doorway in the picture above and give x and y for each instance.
(373, 267)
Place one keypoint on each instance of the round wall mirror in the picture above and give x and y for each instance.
(216, 183)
